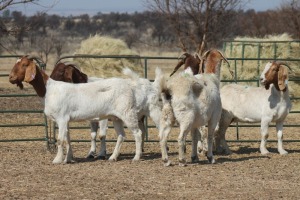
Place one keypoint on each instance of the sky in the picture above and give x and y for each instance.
(77, 7)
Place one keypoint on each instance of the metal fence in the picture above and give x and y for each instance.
(148, 63)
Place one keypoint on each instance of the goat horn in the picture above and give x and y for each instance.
(197, 55)
(182, 56)
(206, 53)
(225, 59)
(40, 62)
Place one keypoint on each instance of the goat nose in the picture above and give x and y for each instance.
(11, 78)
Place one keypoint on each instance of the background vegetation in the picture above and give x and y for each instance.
(167, 26)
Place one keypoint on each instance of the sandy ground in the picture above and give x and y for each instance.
(28, 172)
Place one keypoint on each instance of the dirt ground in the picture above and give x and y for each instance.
(28, 172)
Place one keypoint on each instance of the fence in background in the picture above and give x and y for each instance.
(234, 62)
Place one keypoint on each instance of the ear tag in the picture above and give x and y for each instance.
(286, 82)
(32, 76)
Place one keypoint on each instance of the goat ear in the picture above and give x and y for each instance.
(30, 72)
(68, 74)
(282, 77)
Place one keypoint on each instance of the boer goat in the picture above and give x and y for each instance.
(202, 64)
(257, 104)
(66, 102)
(69, 72)
(193, 101)
(147, 101)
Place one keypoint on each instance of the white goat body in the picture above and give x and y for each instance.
(66, 102)
(147, 103)
(113, 97)
(253, 104)
(195, 102)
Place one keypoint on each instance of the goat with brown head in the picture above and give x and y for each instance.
(211, 62)
(68, 72)
(189, 61)
(275, 73)
(27, 70)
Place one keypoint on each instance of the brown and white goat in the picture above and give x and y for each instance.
(188, 60)
(71, 73)
(257, 104)
(66, 102)
(210, 62)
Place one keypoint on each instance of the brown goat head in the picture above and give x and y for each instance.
(68, 73)
(212, 61)
(23, 70)
(27, 70)
(189, 61)
(276, 73)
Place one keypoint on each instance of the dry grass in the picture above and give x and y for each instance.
(29, 174)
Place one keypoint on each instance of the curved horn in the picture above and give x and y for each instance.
(201, 64)
(183, 55)
(39, 61)
(225, 59)
(206, 53)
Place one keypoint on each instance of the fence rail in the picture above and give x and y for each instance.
(145, 61)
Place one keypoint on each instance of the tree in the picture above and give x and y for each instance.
(10, 28)
(6, 3)
(195, 21)
(290, 12)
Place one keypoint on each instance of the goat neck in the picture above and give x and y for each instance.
(39, 82)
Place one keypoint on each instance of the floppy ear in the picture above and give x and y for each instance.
(30, 72)
(282, 77)
(68, 74)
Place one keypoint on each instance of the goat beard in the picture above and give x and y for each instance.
(267, 86)
(20, 85)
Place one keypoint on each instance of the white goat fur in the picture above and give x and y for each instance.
(254, 104)
(66, 102)
(195, 102)
(146, 96)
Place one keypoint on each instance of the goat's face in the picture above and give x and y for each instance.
(23, 70)
(274, 73)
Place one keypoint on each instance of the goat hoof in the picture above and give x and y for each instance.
(182, 163)
(135, 160)
(112, 160)
(195, 159)
(264, 152)
(167, 163)
(211, 160)
(101, 157)
(55, 162)
(90, 156)
(283, 152)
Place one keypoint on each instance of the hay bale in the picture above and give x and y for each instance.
(249, 48)
(270, 47)
(106, 67)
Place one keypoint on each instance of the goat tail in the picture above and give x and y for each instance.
(167, 114)
(130, 73)
(159, 81)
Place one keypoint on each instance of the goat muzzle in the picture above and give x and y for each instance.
(14, 80)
